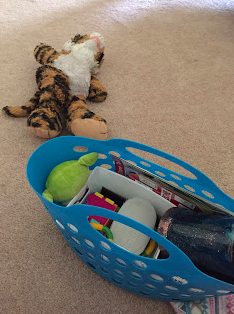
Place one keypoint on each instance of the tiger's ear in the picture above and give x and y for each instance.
(77, 38)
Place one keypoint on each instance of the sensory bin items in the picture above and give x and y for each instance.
(118, 199)
(114, 192)
(68, 178)
(104, 229)
(99, 200)
(127, 197)
(129, 238)
(126, 237)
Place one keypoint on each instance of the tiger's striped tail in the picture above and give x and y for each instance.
(23, 111)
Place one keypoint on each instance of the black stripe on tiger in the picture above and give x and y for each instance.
(61, 82)
(58, 83)
(100, 57)
(76, 98)
(44, 52)
(36, 124)
(47, 55)
(72, 112)
(40, 116)
(39, 72)
(28, 109)
(53, 72)
(87, 115)
(97, 95)
(52, 56)
(47, 104)
(7, 110)
(39, 49)
(48, 88)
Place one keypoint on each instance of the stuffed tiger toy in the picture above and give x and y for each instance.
(65, 80)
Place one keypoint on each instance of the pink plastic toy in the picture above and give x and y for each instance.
(99, 200)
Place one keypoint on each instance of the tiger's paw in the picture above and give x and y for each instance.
(90, 128)
(45, 123)
(43, 133)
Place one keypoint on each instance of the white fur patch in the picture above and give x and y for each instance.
(68, 45)
(77, 65)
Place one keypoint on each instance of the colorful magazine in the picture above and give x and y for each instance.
(173, 193)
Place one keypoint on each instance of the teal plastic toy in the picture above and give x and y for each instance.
(67, 179)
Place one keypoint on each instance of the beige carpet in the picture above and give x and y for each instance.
(169, 72)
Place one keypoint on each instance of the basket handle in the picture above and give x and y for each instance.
(201, 180)
(78, 214)
(123, 144)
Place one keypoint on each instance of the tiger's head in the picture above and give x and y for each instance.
(93, 41)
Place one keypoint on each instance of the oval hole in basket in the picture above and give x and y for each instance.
(223, 291)
(75, 240)
(117, 282)
(72, 228)
(80, 149)
(140, 264)
(120, 262)
(159, 173)
(102, 156)
(145, 164)
(171, 288)
(189, 188)
(149, 286)
(119, 232)
(118, 272)
(106, 166)
(104, 270)
(156, 277)
(60, 224)
(114, 153)
(161, 161)
(179, 280)
(144, 293)
(78, 251)
(90, 256)
(196, 290)
(105, 258)
(131, 162)
(175, 176)
(207, 194)
(132, 284)
(173, 183)
(91, 265)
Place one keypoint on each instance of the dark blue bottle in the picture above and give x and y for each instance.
(206, 239)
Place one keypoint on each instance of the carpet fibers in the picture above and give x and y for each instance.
(169, 73)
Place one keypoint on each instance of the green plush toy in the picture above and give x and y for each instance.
(67, 179)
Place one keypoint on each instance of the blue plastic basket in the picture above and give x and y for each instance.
(172, 279)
